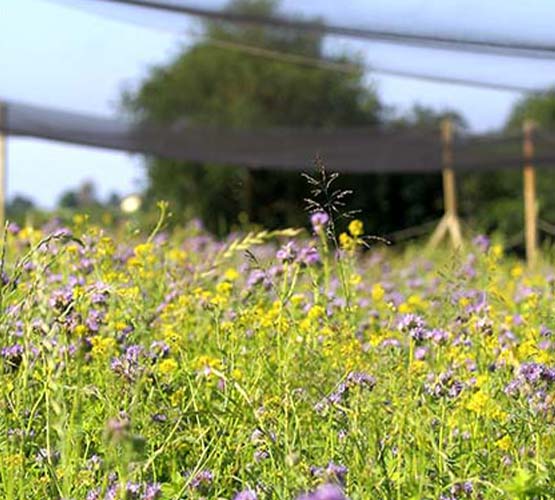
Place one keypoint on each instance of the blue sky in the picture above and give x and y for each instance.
(80, 59)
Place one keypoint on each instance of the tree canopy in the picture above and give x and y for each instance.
(210, 85)
(537, 107)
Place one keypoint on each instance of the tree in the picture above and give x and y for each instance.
(425, 116)
(83, 197)
(210, 85)
(18, 207)
(539, 108)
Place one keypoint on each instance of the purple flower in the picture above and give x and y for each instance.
(333, 472)
(93, 494)
(420, 353)
(202, 480)
(260, 455)
(361, 379)
(287, 252)
(325, 492)
(159, 418)
(438, 336)
(531, 372)
(61, 299)
(353, 379)
(414, 325)
(308, 256)
(158, 349)
(152, 491)
(482, 242)
(94, 320)
(319, 220)
(13, 228)
(246, 495)
(132, 490)
(13, 355)
(256, 277)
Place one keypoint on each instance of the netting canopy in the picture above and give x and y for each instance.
(354, 150)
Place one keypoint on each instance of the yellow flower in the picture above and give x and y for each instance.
(224, 288)
(102, 346)
(167, 366)
(356, 228)
(231, 274)
(477, 402)
(497, 251)
(80, 330)
(14, 460)
(206, 364)
(297, 299)
(177, 254)
(377, 292)
(504, 443)
(346, 242)
(143, 249)
(405, 308)
(516, 272)
(79, 219)
(355, 279)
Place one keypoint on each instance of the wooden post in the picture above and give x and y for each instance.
(529, 187)
(449, 223)
(3, 159)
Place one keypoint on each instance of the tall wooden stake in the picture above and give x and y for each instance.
(3, 158)
(449, 223)
(529, 186)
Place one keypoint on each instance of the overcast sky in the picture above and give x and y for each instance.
(80, 59)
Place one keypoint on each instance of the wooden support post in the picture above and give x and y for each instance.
(449, 223)
(529, 188)
(3, 159)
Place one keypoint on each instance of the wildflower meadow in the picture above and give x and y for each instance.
(271, 365)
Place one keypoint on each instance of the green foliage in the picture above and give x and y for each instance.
(493, 200)
(537, 107)
(424, 116)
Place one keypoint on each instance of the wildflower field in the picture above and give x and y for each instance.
(271, 366)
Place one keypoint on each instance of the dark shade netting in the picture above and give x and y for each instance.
(355, 150)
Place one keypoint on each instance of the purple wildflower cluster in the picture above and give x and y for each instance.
(305, 256)
(445, 385)
(133, 491)
(462, 490)
(534, 381)
(338, 396)
(12, 355)
(246, 495)
(325, 492)
(413, 325)
(128, 364)
(332, 473)
(202, 481)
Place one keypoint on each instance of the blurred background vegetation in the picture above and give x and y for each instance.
(207, 84)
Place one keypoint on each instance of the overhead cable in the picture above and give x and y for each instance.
(353, 68)
(499, 47)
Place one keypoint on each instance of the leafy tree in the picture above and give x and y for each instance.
(210, 85)
(18, 207)
(425, 116)
(539, 108)
(494, 199)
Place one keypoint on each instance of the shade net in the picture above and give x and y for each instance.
(353, 150)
